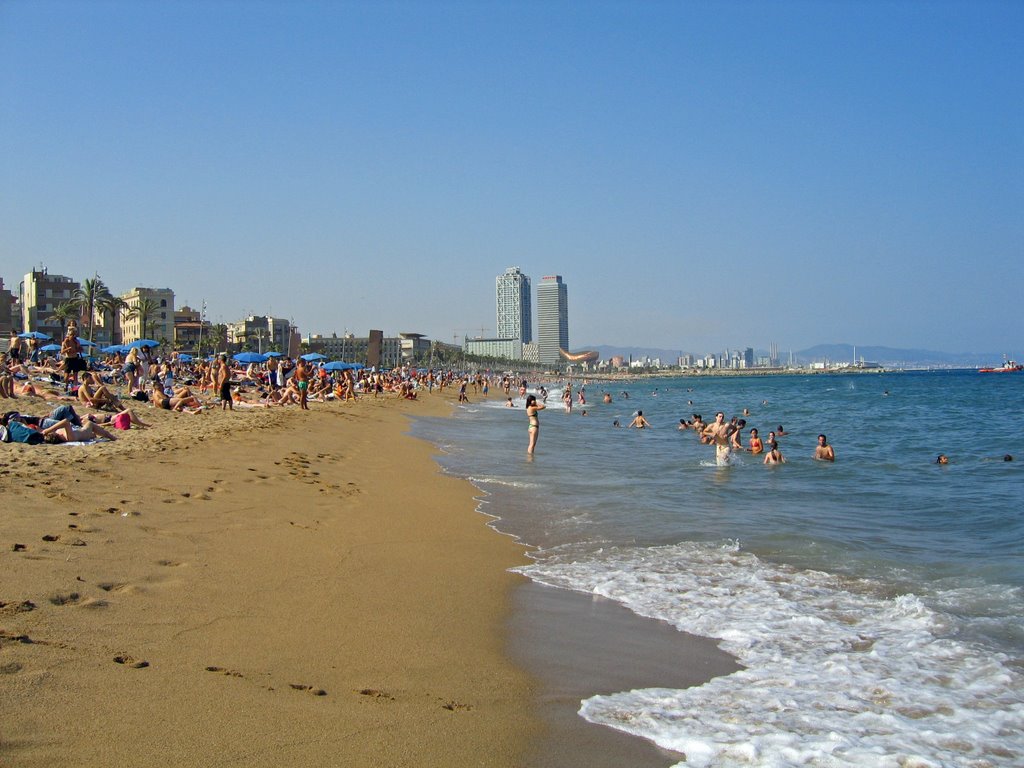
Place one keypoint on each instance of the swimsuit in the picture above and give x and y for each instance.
(722, 453)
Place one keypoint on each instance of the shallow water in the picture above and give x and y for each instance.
(876, 603)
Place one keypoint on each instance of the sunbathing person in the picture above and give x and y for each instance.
(123, 420)
(66, 432)
(93, 393)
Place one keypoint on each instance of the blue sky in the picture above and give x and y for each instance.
(702, 175)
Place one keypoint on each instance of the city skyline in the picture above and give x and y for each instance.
(705, 176)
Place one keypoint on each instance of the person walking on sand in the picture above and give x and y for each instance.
(532, 407)
(14, 347)
(302, 382)
(223, 379)
(824, 451)
(71, 355)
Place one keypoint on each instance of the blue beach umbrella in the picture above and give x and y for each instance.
(183, 358)
(338, 365)
(114, 349)
(33, 335)
(250, 357)
(50, 348)
(144, 343)
(273, 354)
(85, 342)
(312, 357)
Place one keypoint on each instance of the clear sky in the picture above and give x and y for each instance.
(702, 175)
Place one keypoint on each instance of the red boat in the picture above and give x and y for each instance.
(1008, 366)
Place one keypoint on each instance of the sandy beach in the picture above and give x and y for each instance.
(263, 587)
(280, 587)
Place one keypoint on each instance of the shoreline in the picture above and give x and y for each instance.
(255, 587)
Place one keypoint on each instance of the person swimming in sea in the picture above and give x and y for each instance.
(639, 421)
(774, 456)
(755, 446)
(824, 451)
(532, 408)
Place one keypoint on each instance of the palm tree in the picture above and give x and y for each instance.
(219, 337)
(111, 305)
(144, 310)
(64, 313)
(89, 298)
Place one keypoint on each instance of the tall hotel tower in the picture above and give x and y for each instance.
(514, 308)
(552, 319)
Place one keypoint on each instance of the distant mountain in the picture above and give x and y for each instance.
(893, 358)
(887, 356)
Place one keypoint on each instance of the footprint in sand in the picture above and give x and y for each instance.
(7, 609)
(130, 661)
(309, 688)
(373, 693)
(454, 706)
(69, 599)
(228, 672)
(169, 563)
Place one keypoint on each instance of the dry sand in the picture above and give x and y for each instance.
(257, 588)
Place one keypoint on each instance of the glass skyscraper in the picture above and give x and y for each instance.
(552, 319)
(514, 308)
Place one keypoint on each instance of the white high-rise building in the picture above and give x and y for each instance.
(512, 291)
(552, 319)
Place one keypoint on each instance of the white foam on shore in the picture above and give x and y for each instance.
(481, 481)
(837, 672)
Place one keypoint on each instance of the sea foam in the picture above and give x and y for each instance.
(838, 672)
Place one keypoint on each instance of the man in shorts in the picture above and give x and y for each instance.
(71, 357)
(719, 433)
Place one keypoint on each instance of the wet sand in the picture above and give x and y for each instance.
(580, 646)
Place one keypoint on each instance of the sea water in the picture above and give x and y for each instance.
(876, 604)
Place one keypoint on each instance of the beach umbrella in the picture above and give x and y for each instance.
(114, 349)
(183, 358)
(85, 342)
(338, 365)
(312, 357)
(250, 357)
(50, 348)
(143, 343)
(33, 335)
(273, 354)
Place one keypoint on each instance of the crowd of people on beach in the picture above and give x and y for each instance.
(103, 385)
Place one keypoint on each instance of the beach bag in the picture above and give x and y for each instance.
(19, 433)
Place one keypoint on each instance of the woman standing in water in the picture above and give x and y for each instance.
(532, 406)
